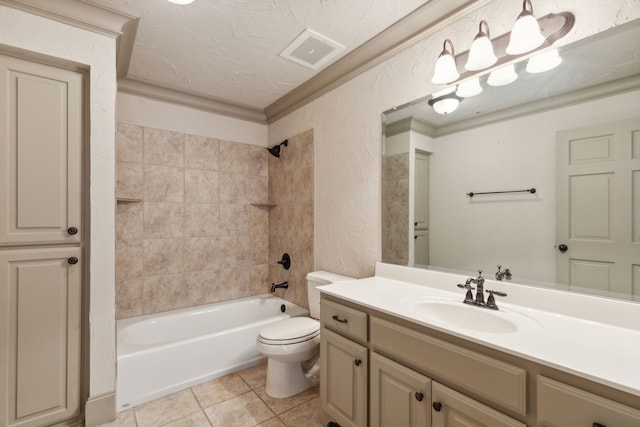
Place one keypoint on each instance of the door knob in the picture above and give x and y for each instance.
(563, 248)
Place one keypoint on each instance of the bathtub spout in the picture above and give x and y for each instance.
(283, 285)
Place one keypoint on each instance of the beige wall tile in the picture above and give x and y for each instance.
(129, 259)
(163, 256)
(234, 157)
(201, 287)
(162, 293)
(163, 147)
(233, 188)
(129, 180)
(201, 152)
(129, 297)
(235, 251)
(129, 143)
(163, 184)
(129, 221)
(201, 219)
(163, 220)
(201, 253)
(259, 161)
(259, 279)
(200, 186)
(234, 219)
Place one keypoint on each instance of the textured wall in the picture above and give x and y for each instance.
(347, 125)
(194, 236)
(291, 220)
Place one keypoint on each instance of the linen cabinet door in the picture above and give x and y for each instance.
(40, 295)
(452, 409)
(40, 153)
(343, 383)
(399, 397)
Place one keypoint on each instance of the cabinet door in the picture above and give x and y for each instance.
(399, 397)
(452, 409)
(343, 383)
(40, 153)
(40, 293)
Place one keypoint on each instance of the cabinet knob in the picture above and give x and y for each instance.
(437, 406)
(72, 231)
(72, 260)
(419, 396)
(357, 362)
(599, 425)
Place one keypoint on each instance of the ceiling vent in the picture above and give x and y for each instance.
(311, 50)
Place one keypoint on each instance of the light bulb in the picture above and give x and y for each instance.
(446, 105)
(525, 35)
(502, 76)
(469, 88)
(481, 54)
(544, 61)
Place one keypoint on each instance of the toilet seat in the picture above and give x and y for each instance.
(289, 331)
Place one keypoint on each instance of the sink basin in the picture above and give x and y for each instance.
(453, 313)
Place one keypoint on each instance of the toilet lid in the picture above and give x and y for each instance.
(291, 328)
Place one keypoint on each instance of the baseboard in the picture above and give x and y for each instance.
(100, 409)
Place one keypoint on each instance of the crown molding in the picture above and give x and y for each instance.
(192, 100)
(602, 90)
(88, 15)
(417, 25)
(408, 124)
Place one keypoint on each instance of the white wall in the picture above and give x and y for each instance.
(161, 115)
(97, 52)
(347, 126)
(516, 154)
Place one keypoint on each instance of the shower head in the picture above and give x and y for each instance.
(275, 150)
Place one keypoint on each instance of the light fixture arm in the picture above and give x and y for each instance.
(444, 48)
(526, 12)
(482, 33)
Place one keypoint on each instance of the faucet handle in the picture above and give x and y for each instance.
(468, 298)
(491, 301)
(467, 286)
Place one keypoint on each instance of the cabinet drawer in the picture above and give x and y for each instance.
(346, 321)
(562, 405)
(484, 376)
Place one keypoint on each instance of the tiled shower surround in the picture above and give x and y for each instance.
(395, 201)
(192, 225)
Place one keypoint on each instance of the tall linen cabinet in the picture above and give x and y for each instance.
(41, 243)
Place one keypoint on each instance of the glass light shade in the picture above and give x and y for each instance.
(544, 61)
(469, 88)
(181, 1)
(502, 76)
(444, 92)
(446, 105)
(525, 35)
(445, 70)
(481, 54)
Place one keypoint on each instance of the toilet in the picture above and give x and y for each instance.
(292, 344)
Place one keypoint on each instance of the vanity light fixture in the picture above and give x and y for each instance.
(469, 88)
(502, 76)
(181, 2)
(525, 35)
(445, 70)
(481, 54)
(446, 101)
(544, 61)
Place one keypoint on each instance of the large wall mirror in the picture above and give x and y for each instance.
(572, 133)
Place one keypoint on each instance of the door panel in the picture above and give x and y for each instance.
(40, 334)
(598, 208)
(41, 116)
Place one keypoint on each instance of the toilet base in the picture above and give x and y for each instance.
(285, 379)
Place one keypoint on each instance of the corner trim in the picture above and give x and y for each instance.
(428, 18)
(409, 124)
(100, 409)
(199, 102)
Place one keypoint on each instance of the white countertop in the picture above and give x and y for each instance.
(591, 337)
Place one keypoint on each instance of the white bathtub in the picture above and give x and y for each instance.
(159, 354)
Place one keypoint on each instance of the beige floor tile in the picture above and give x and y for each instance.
(244, 410)
(166, 409)
(256, 376)
(282, 405)
(219, 390)
(304, 415)
(199, 419)
(273, 422)
(123, 419)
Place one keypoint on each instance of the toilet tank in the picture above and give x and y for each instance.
(319, 278)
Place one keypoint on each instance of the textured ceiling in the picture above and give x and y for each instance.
(228, 49)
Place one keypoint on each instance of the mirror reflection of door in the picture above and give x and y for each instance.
(421, 209)
(598, 209)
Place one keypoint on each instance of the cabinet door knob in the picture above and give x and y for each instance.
(437, 406)
(357, 362)
(72, 231)
(419, 396)
(72, 260)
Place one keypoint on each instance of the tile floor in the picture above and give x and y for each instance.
(236, 400)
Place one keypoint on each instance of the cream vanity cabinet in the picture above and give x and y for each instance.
(41, 118)
(421, 377)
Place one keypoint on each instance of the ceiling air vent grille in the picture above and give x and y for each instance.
(311, 50)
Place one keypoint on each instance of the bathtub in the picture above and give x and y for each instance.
(159, 354)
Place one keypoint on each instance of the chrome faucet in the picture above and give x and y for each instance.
(479, 299)
(283, 285)
(500, 274)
